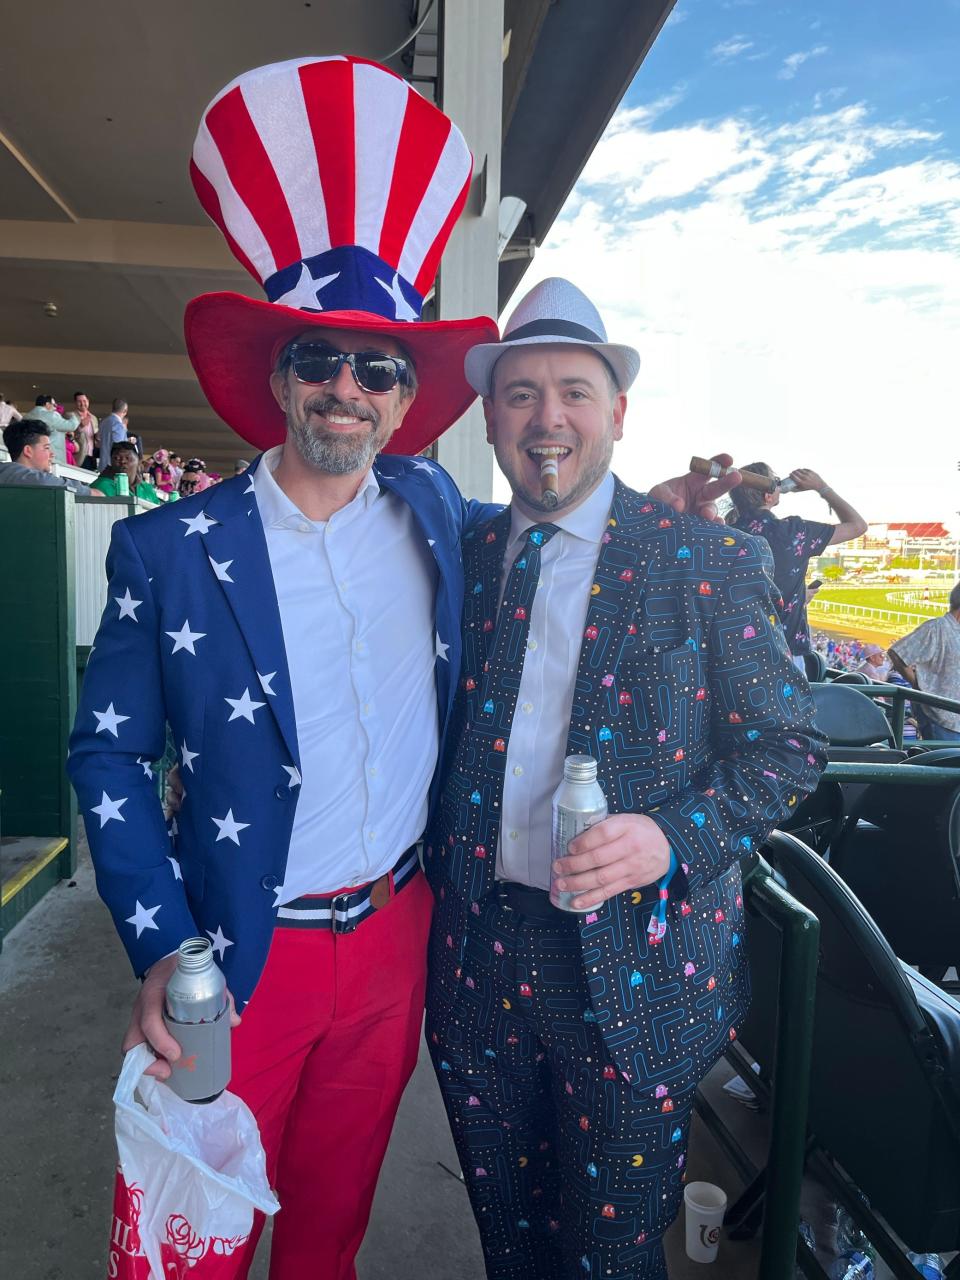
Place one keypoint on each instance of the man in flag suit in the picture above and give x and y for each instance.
(569, 1045)
(297, 627)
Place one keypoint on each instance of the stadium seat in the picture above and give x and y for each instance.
(885, 1075)
(851, 677)
(816, 667)
(857, 728)
(898, 851)
(818, 820)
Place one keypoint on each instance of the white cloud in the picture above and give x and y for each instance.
(727, 50)
(793, 61)
(794, 291)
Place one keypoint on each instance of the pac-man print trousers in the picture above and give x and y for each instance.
(572, 1171)
(325, 1048)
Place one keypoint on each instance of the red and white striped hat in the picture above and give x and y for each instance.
(336, 185)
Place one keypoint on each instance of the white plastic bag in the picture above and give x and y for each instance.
(192, 1176)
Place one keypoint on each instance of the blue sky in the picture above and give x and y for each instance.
(773, 219)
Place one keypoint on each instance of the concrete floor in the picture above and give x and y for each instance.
(65, 995)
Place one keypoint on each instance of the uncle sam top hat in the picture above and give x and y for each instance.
(554, 311)
(336, 186)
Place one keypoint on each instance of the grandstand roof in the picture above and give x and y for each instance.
(925, 529)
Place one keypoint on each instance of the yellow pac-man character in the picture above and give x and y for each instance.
(636, 897)
(792, 801)
(729, 542)
(773, 618)
(612, 523)
(637, 1161)
(595, 589)
(523, 1162)
(506, 1003)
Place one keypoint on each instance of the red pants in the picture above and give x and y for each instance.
(322, 1056)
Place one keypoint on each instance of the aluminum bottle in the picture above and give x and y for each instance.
(578, 803)
(123, 485)
(197, 1015)
(787, 485)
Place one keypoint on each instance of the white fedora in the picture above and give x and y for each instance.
(553, 311)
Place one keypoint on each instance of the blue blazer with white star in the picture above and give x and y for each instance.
(191, 637)
(687, 698)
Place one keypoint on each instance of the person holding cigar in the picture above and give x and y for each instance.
(600, 622)
(793, 541)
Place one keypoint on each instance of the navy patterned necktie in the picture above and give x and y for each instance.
(505, 664)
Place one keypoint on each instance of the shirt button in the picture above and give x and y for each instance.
(531, 644)
(365, 708)
(527, 707)
(373, 771)
(518, 771)
(342, 586)
(513, 835)
(371, 835)
(359, 646)
(304, 527)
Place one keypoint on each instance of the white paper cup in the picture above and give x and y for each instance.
(705, 1206)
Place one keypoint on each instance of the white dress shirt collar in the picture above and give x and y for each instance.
(278, 511)
(587, 521)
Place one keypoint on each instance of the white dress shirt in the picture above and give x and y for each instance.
(538, 737)
(356, 595)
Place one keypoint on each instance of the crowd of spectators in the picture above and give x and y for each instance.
(47, 435)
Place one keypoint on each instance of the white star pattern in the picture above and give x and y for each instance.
(243, 707)
(188, 756)
(442, 649)
(250, 489)
(431, 542)
(294, 773)
(199, 523)
(229, 828)
(221, 569)
(265, 683)
(109, 720)
(303, 295)
(142, 918)
(145, 766)
(420, 465)
(277, 895)
(176, 868)
(108, 809)
(185, 638)
(402, 307)
(220, 942)
(128, 606)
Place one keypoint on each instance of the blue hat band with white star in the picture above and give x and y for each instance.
(347, 278)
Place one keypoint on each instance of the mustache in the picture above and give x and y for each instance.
(353, 408)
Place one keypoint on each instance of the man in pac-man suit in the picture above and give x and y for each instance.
(298, 629)
(568, 1046)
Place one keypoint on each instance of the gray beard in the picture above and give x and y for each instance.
(334, 454)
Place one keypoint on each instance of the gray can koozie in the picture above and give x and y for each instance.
(197, 1014)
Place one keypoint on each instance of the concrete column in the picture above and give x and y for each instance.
(471, 50)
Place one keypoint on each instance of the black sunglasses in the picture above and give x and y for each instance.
(316, 363)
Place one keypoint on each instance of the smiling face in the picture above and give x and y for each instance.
(550, 398)
(336, 426)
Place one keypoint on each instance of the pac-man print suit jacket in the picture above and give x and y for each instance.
(697, 717)
(192, 629)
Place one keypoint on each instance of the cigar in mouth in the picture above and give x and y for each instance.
(549, 472)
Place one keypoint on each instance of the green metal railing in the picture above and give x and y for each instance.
(799, 930)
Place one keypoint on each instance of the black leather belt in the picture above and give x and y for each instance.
(526, 901)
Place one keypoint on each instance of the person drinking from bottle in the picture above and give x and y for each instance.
(599, 623)
(793, 542)
(125, 466)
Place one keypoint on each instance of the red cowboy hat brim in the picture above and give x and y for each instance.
(232, 341)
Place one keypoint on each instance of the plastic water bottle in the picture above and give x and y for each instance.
(854, 1266)
(930, 1265)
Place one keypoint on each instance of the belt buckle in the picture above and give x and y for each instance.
(341, 902)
